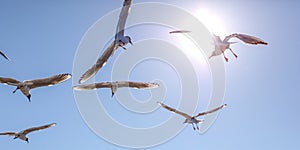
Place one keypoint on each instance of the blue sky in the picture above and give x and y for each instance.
(41, 37)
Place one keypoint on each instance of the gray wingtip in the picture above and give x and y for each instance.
(153, 85)
(68, 75)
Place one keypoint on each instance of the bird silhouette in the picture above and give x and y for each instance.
(221, 46)
(22, 134)
(27, 85)
(120, 41)
(191, 119)
(115, 85)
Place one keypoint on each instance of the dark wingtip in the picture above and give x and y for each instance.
(28, 97)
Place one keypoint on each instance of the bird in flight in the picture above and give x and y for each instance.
(119, 41)
(27, 85)
(115, 85)
(179, 31)
(191, 119)
(22, 134)
(5, 56)
(221, 46)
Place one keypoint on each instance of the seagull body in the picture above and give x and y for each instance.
(22, 134)
(120, 41)
(222, 46)
(115, 85)
(26, 86)
(5, 56)
(191, 119)
(179, 31)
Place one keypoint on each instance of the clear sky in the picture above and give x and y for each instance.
(41, 37)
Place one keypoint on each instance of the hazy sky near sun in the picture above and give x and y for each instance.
(41, 37)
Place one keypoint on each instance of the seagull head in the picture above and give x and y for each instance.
(128, 40)
(27, 140)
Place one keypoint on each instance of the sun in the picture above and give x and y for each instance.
(211, 21)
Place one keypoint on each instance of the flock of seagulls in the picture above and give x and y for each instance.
(120, 40)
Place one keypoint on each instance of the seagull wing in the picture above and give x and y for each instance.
(246, 38)
(138, 85)
(9, 133)
(99, 64)
(211, 111)
(9, 81)
(216, 39)
(47, 81)
(38, 128)
(93, 86)
(5, 56)
(175, 111)
(122, 19)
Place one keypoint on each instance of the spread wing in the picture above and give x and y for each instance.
(179, 31)
(246, 38)
(99, 64)
(9, 133)
(93, 86)
(139, 85)
(122, 19)
(211, 111)
(38, 128)
(175, 111)
(47, 81)
(9, 81)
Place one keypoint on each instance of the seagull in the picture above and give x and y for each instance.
(120, 41)
(221, 46)
(191, 119)
(27, 85)
(179, 31)
(119, 37)
(22, 134)
(115, 85)
(5, 56)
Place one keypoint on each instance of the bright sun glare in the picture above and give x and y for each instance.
(212, 22)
